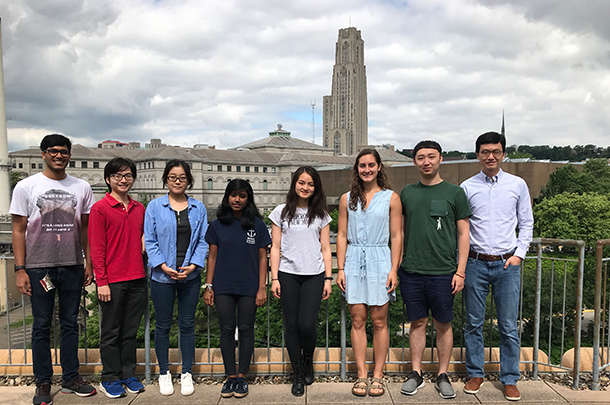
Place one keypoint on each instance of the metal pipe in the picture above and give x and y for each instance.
(537, 310)
(578, 323)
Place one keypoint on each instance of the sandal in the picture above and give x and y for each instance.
(376, 384)
(361, 387)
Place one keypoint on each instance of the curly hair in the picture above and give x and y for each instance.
(357, 192)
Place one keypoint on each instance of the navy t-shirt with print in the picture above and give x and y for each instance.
(237, 267)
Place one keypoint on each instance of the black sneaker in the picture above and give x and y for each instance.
(78, 387)
(43, 395)
(228, 388)
(241, 387)
(414, 382)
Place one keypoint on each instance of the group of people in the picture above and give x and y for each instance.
(432, 240)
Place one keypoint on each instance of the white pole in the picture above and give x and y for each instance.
(4, 162)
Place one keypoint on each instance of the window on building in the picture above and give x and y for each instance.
(247, 169)
(264, 184)
(219, 168)
(210, 168)
(210, 184)
(14, 165)
(228, 168)
(72, 164)
(21, 165)
(40, 166)
(238, 168)
(273, 170)
(264, 170)
(149, 165)
(33, 165)
(96, 165)
(83, 165)
(255, 169)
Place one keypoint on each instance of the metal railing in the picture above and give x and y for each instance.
(562, 278)
(601, 306)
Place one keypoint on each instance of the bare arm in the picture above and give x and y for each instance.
(396, 240)
(327, 258)
(208, 295)
(274, 257)
(463, 228)
(342, 241)
(261, 295)
(23, 280)
(84, 218)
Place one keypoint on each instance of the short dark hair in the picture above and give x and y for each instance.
(427, 145)
(117, 164)
(55, 140)
(490, 137)
(175, 163)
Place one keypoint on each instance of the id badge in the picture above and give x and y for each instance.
(46, 283)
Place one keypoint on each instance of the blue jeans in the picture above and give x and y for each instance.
(505, 286)
(163, 295)
(69, 286)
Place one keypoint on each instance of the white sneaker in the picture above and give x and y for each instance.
(166, 387)
(186, 381)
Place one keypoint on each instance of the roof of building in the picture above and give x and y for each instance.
(282, 142)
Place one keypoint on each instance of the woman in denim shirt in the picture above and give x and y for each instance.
(174, 235)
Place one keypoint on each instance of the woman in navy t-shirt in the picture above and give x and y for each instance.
(237, 278)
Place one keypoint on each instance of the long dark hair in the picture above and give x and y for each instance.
(225, 212)
(317, 202)
(357, 192)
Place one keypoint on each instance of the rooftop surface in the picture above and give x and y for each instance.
(532, 392)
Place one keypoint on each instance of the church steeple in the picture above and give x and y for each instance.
(502, 130)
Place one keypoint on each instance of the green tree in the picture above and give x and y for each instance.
(334, 224)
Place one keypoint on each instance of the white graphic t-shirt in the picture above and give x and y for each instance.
(301, 248)
(54, 209)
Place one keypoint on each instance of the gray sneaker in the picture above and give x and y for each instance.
(413, 383)
(443, 386)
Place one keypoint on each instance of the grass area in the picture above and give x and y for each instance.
(28, 321)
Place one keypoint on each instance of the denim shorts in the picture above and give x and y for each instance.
(427, 293)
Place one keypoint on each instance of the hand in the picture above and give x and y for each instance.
(103, 293)
(208, 296)
(23, 283)
(88, 275)
(276, 289)
(185, 271)
(512, 261)
(457, 284)
(341, 280)
(392, 281)
(173, 274)
(261, 297)
(328, 289)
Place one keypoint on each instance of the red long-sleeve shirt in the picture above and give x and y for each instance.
(115, 240)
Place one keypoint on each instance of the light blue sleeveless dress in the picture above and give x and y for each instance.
(368, 260)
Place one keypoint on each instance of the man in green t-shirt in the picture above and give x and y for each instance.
(436, 215)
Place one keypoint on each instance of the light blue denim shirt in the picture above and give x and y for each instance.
(160, 237)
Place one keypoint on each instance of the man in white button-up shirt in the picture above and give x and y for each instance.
(500, 203)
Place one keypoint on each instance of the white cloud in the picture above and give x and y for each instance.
(226, 72)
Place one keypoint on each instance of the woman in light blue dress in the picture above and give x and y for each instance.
(370, 218)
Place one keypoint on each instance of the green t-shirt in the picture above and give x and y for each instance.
(431, 213)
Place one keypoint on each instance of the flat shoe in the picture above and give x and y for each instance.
(376, 384)
(361, 384)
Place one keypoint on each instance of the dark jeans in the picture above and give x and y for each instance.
(246, 312)
(69, 286)
(163, 295)
(121, 317)
(301, 298)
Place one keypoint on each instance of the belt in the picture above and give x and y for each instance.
(489, 258)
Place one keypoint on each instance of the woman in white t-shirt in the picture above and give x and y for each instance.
(302, 274)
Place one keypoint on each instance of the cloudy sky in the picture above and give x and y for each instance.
(226, 72)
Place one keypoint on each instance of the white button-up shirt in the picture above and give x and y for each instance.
(499, 205)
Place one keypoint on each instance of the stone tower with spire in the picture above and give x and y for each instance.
(345, 110)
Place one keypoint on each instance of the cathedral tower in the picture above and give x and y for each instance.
(345, 110)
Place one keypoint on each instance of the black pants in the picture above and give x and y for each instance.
(246, 312)
(301, 297)
(121, 318)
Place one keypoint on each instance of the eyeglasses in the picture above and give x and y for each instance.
(496, 152)
(173, 178)
(119, 176)
(54, 152)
